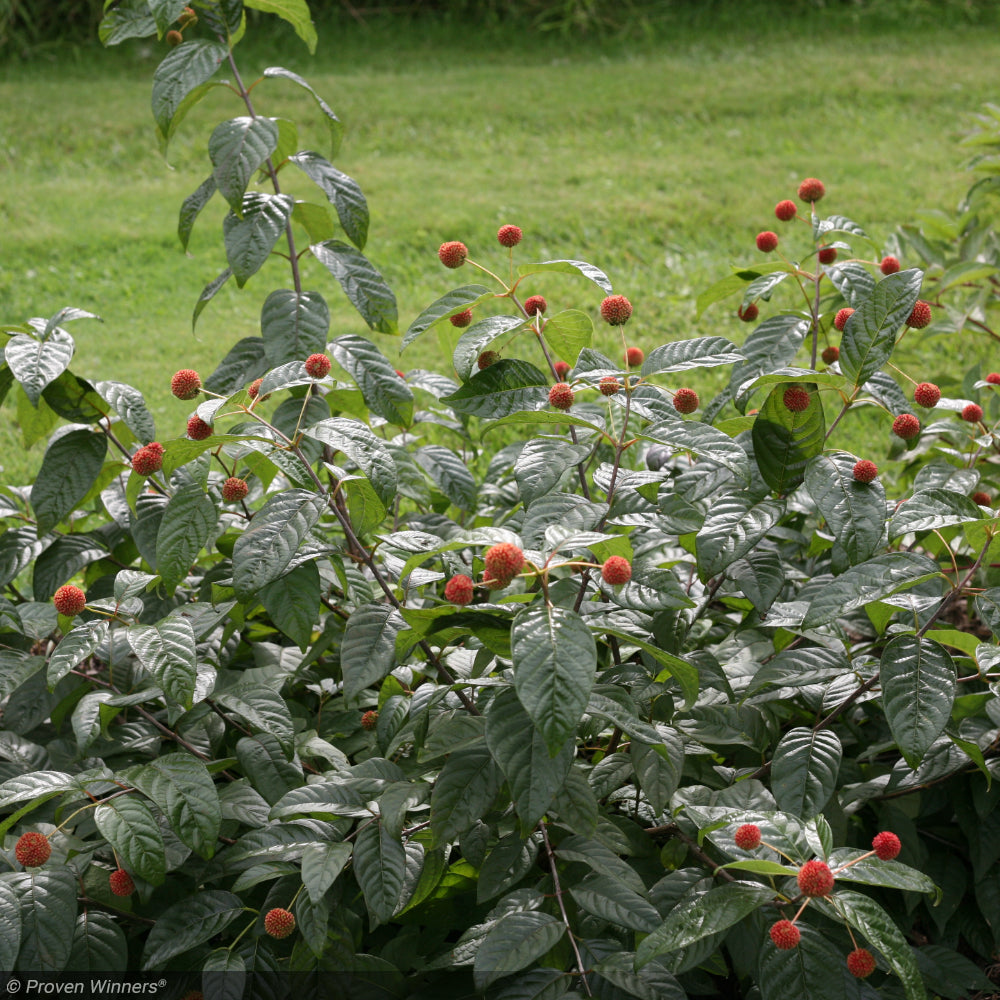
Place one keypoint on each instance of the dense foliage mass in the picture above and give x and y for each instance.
(538, 677)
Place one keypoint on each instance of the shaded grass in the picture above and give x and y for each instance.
(657, 161)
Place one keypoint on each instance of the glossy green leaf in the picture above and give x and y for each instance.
(321, 866)
(658, 768)
(804, 770)
(702, 440)
(514, 943)
(455, 301)
(933, 509)
(465, 356)
(815, 969)
(262, 708)
(250, 238)
(342, 191)
(10, 926)
(385, 393)
(732, 529)
(362, 283)
(189, 922)
(333, 123)
(237, 149)
(293, 602)
(594, 274)
(610, 899)
(368, 649)
(189, 521)
(71, 465)
(541, 464)
(167, 651)
(463, 792)
(293, 325)
(36, 362)
(245, 361)
(186, 67)
(130, 405)
(569, 332)
(47, 900)
(505, 387)
(127, 823)
(379, 866)
(450, 474)
(683, 355)
(295, 12)
(99, 944)
(785, 440)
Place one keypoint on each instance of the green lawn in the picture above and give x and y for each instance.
(658, 161)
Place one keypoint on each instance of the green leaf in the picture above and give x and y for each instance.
(73, 649)
(612, 900)
(855, 512)
(295, 12)
(929, 510)
(463, 792)
(251, 238)
(343, 192)
(503, 388)
(292, 601)
(237, 149)
(124, 22)
(99, 944)
(734, 527)
(368, 649)
(262, 553)
(702, 440)
(450, 474)
(866, 916)
(333, 122)
(555, 662)
(869, 581)
(872, 871)
(207, 294)
(191, 208)
(514, 943)
(47, 899)
(569, 332)
(804, 770)
(701, 914)
(17, 667)
(362, 283)
(167, 651)
(293, 325)
(870, 334)
(596, 275)
(183, 790)
(189, 520)
(10, 926)
(189, 922)
(683, 355)
(456, 301)
(918, 679)
(364, 449)
(736, 282)
(71, 465)
(380, 867)
(523, 755)
(784, 441)
(815, 969)
(245, 361)
(184, 68)
(267, 767)
(541, 464)
(262, 708)
(223, 975)
(466, 353)
(658, 768)
(320, 867)
(128, 825)
(385, 393)
(36, 362)
(130, 405)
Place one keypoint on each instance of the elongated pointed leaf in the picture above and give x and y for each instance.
(293, 325)
(450, 474)
(35, 362)
(70, 468)
(245, 361)
(262, 708)
(189, 922)
(702, 440)
(595, 274)
(342, 191)
(816, 969)
(784, 440)
(683, 355)
(131, 829)
(569, 332)
(732, 529)
(73, 649)
(465, 788)
(10, 926)
(505, 387)
(541, 465)
(471, 343)
(321, 866)
(130, 405)
(250, 238)
(191, 208)
(362, 283)
(612, 900)
(47, 898)
(363, 448)
(185, 68)
(99, 944)
(929, 510)
(368, 649)
(383, 390)
(334, 124)
(804, 770)
(167, 651)
(380, 867)
(237, 149)
(188, 522)
(207, 294)
(517, 940)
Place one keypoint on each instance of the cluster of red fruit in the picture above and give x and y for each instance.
(815, 879)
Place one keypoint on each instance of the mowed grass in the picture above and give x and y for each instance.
(658, 162)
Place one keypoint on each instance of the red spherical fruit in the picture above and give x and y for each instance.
(616, 570)
(889, 265)
(609, 385)
(486, 359)
(562, 369)
(458, 590)
(830, 354)
(234, 490)
(69, 600)
(503, 562)
(865, 471)
(811, 189)
(767, 241)
(785, 935)
(148, 459)
(197, 429)
(796, 399)
(121, 883)
(186, 384)
(369, 720)
(815, 879)
(462, 319)
(174, 38)
(827, 255)
(317, 366)
(982, 499)
(861, 963)
(509, 236)
(535, 304)
(279, 923)
(686, 400)
(972, 412)
(786, 210)
(561, 396)
(747, 837)
(616, 309)
(453, 253)
(920, 316)
(748, 313)
(254, 387)
(886, 845)
(906, 426)
(843, 315)
(993, 378)
(927, 395)
(634, 357)
(32, 849)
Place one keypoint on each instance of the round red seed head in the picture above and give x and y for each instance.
(369, 720)
(972, 412)
(785, 935)
(609, 385)
(767, 241)
(815, 879)
(860, 963)
(458, 590)
(197, 429)
(830, 354)
(747, 837)
(462, 319)
(889, 265)
(811, 189)
(906, 426)
(920, 316)
(786, 210)
(234, 490)
(254, 387)
(561, 396)
(748, 313)
(982, 499)
(927, 394)
(186, 384)
(486, 359)
(509, 236)
(843, 315)
(686, 400)
(317, 366)
(503, 562)
(616, 570)
(562, 368)
(616, 309)
(886, 845)
(69, 600)
(32, 849)
(121, 883)
(453, 253)
(993, 378)
(148, 459)
(279, 923)
(634, 357)
(796, 398)
(827, 255)
(865, 471)
(535, 304)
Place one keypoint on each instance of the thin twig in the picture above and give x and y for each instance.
(562, 909)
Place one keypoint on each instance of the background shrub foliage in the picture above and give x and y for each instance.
(463, 684)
